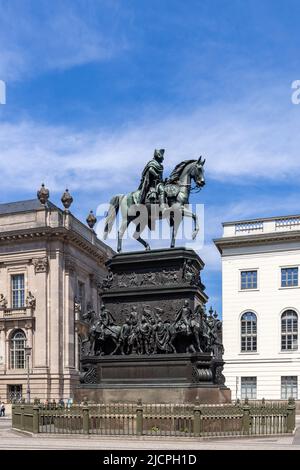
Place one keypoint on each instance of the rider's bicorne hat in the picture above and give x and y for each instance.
(159, 153)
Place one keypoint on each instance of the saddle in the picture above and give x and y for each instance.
(152, 196)
(171, 190)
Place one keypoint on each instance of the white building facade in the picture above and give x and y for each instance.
(261, 307)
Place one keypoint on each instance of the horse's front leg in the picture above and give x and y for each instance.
(173, 237)
(175, 218)
(137, 234)
(187, 213)
(116, 348)
(171, 343)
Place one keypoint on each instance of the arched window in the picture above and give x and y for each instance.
(17, 350)
(289, 331)
(248, 332)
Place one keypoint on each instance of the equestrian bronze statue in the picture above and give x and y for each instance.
(158, 198)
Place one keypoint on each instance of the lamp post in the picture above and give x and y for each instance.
(28, 354)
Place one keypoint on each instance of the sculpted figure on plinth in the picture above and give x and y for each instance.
(151, 188)
(157, 198)
(145, 333)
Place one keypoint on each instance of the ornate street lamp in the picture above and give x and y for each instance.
(28, 350)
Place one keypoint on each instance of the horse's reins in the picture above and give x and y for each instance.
(193, 190)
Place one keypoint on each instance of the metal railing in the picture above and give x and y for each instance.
(239, 419)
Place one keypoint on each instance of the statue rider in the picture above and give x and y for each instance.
(184, 317)
(151, 186)
(105, 319)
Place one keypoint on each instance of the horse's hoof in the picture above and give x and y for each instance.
(148, 248)
(194, 234)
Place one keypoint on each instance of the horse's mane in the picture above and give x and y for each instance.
(175, 175)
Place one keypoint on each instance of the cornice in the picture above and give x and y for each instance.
(56, 233)
(257, 239)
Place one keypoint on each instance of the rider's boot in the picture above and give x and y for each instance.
(162, 202)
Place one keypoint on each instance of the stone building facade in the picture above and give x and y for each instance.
(48, 258)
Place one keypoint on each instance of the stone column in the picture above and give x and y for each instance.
(77, 345)
(55, 319)
(69, 320)
(8, 333)
(2, 348)
(28, 328)
(40, 350)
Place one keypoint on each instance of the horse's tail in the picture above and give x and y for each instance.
(112, 213)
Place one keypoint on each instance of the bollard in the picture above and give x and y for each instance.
(22, 417)
(197, 419)
(291, 415)
(246, 417)
(36, 420)
(86, 419)
(139, 418)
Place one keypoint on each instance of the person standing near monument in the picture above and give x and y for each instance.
(2, 409)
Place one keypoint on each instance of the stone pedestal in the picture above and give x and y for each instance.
(158, 369)
(157, 278)
(153, 394)
(144, 287)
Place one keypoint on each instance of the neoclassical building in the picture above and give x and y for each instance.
(261, 306)
(48, 258)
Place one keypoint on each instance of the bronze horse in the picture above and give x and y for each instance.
(177, 189)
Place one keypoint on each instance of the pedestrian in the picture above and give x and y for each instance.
(61, 403)
(69, 402)
(2, 409)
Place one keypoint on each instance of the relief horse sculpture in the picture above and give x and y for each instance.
(158, 199)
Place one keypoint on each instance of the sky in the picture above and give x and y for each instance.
(93, 86)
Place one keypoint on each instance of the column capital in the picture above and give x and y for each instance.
(70, 265)
(40, 264)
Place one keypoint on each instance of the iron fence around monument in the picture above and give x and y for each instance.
(190, 420)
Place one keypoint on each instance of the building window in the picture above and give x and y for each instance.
(81, 295)
(18, 291)
(14, 393)
(289, 331)
(17, 350)
(289, 387)
(248, 332)
(289, 277)
(248, 280)
(248, 388)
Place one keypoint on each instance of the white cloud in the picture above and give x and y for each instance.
(43, 35)
(240, 144)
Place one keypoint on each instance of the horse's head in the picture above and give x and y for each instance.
(198, 172)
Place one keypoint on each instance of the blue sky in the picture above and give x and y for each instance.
(94, 86)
